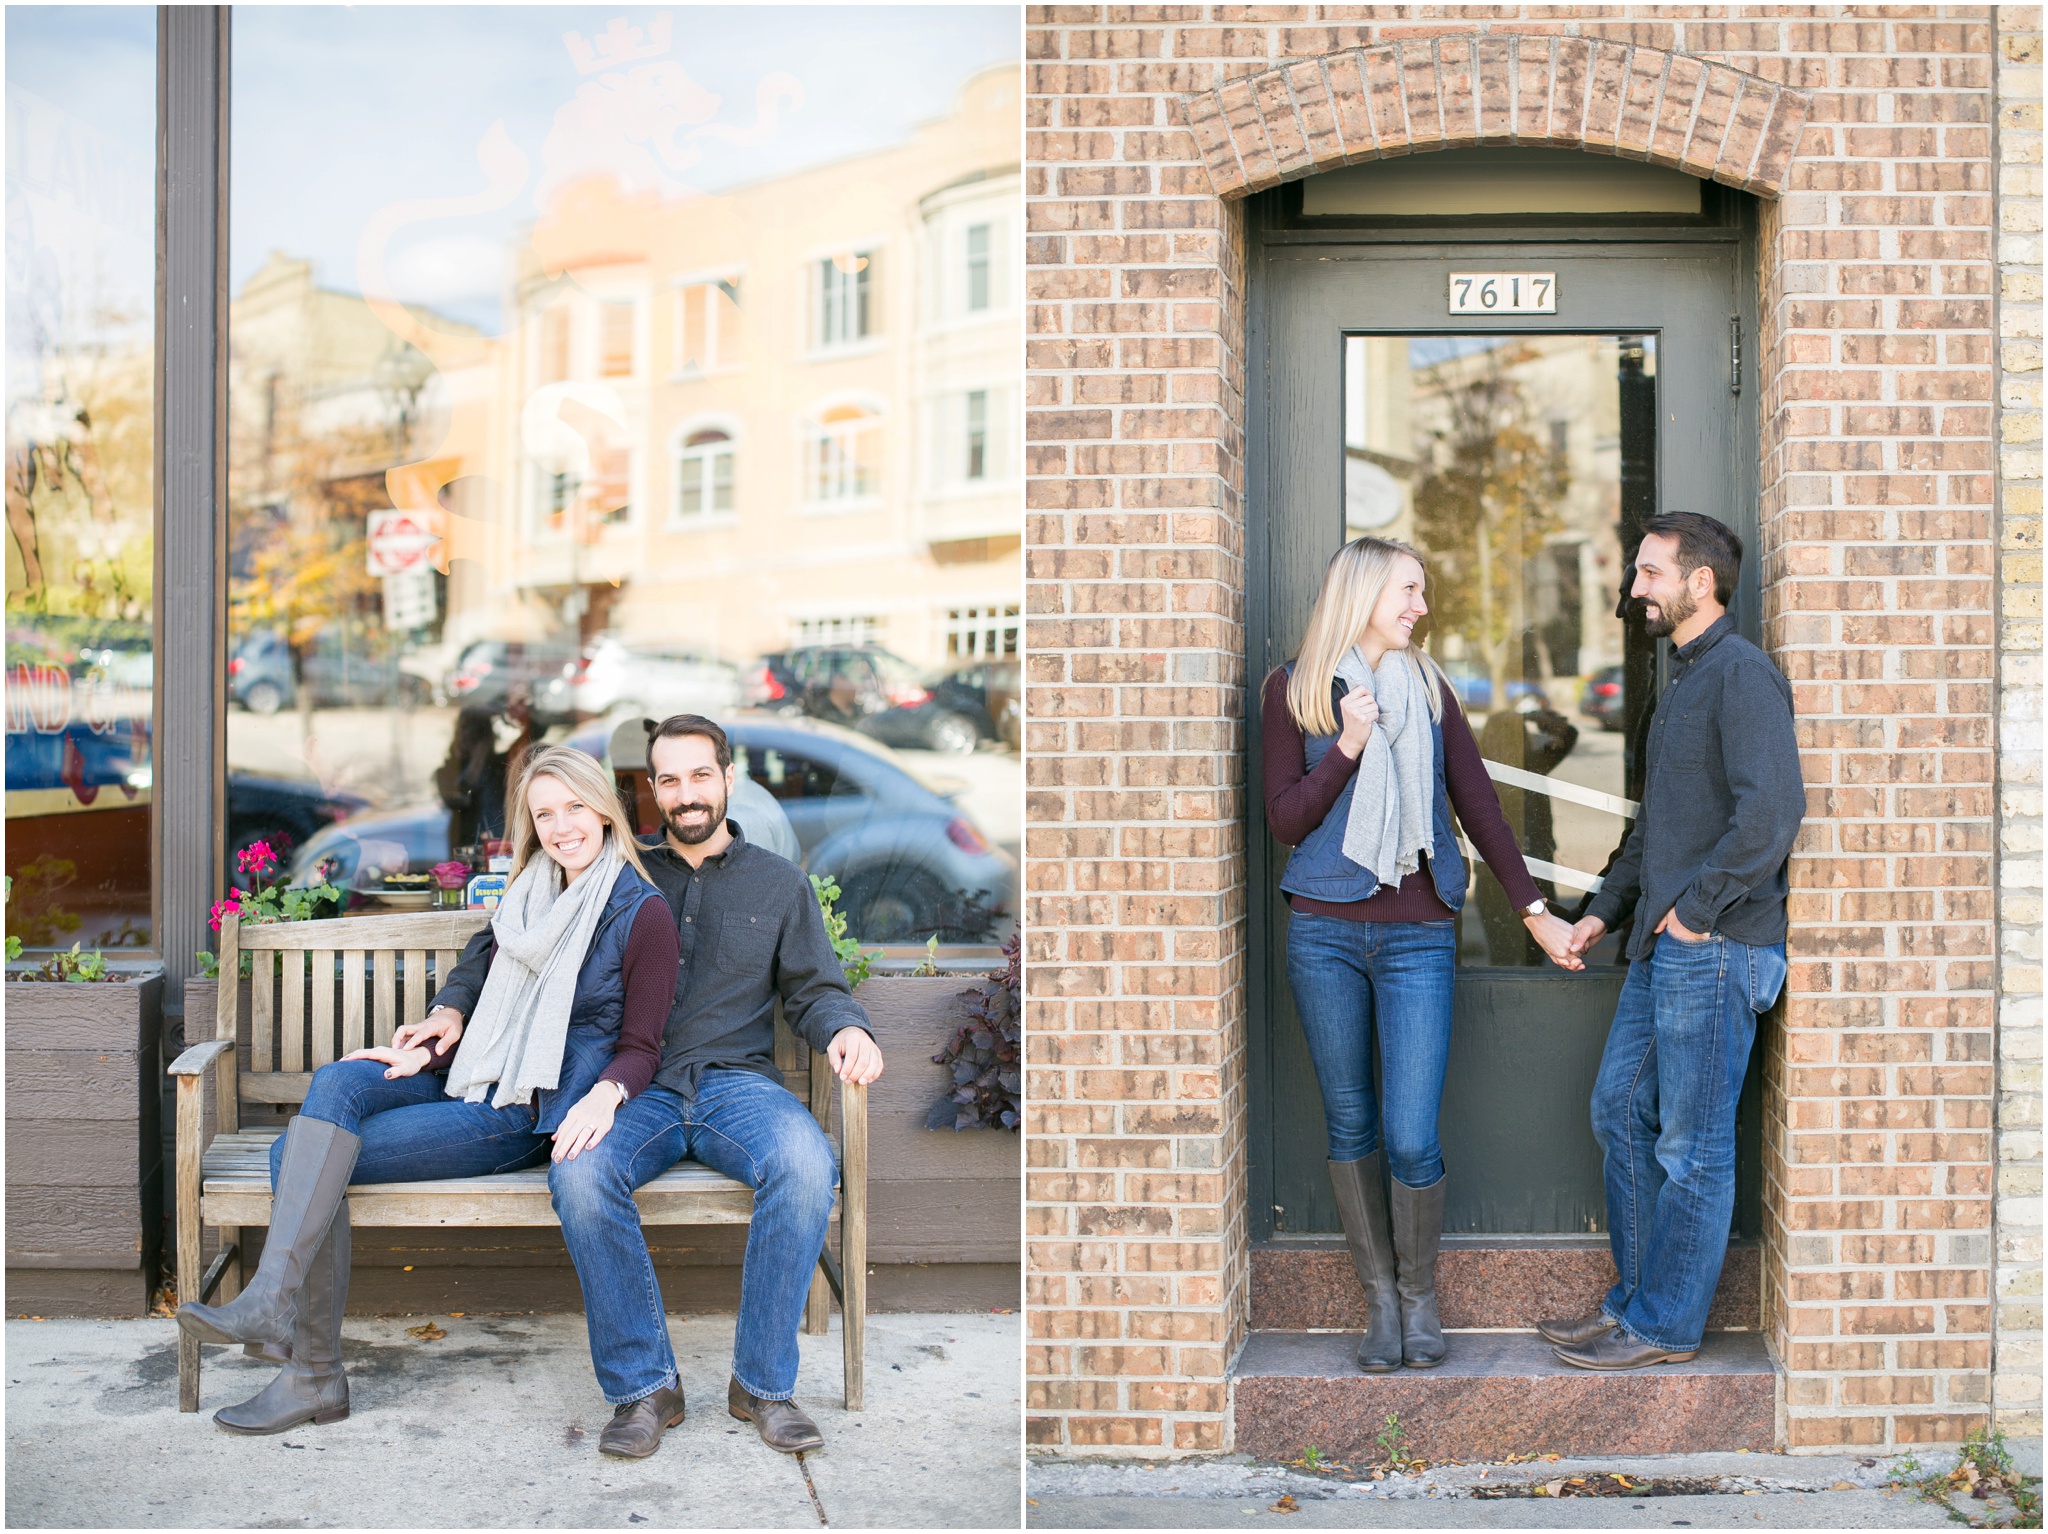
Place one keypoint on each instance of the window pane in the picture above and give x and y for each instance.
(446, 393)
(977, 267)
(1465, 447)
(81, 274)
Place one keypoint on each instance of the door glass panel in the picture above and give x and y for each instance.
(1522, 467)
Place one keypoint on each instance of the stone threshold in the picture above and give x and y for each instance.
(1498, 1393)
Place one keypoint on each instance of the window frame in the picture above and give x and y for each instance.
(674, 520)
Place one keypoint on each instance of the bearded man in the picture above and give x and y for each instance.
(1704, 874)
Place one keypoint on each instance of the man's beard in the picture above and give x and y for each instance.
(1661, 624)
(689, 835)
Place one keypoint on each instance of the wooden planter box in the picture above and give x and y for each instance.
(85, 1173)
(934, 1195)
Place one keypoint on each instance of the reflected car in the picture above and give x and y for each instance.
(488, 670)
(335, 673)
(651, 681)
(959, 710)
(1474, 687)
(841, 684)
(1601, 698)
(285, 812)
(908, 862)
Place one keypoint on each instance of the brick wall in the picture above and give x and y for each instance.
(2016, 1381)
(1876, 360)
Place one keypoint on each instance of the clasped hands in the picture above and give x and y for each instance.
(1590, 929)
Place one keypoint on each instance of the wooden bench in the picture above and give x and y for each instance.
(382, 966)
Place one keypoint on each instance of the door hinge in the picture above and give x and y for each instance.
(1734, 354)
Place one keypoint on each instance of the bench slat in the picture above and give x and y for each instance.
(276, 1086)
(417, 929)
(352, 1036)
(385, 988)
(262, 1011)
(294, 1021)
(415, 985)
(323, 1007)
(444, 966)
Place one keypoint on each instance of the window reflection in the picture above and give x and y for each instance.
(615, 400)
(1521, 466)
(80, 663)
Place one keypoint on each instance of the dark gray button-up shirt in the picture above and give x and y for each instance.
(751, 934)
(1722, 800)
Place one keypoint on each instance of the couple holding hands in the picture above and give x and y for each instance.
(615, 1017)
(1366, 754)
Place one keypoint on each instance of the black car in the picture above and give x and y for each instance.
(1601, 698)
(285, 812)
(959, 710)
(841, 684)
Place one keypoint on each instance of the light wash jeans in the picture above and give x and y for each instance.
(741, 1124)
(1357, 983)
(1664, 1114)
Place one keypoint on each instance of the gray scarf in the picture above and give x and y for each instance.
(517, 1033)
(1389, 826)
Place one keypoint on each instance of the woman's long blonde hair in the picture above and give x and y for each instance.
(1356, 576)
(583, 776)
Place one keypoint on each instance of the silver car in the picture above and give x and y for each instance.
(612, 677)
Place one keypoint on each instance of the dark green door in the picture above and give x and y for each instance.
(1519, 451)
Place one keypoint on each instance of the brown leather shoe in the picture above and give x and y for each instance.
(783, 1425)
(1616, 1349)
(1570, 1331)
(636, 1428)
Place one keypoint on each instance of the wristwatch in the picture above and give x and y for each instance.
(1535, 907)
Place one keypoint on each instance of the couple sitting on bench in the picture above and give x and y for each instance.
(612, 1020)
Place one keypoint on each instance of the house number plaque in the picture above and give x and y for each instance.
(1503, 292)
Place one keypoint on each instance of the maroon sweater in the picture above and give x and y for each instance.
(1297, 801)
(648, 973)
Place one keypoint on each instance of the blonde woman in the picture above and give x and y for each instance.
(583, 956)
(1366, 755)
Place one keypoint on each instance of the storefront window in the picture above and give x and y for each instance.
(538, 389)
(81, 274)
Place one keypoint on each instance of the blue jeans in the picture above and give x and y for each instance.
(741, 1124)
(1352, 981)
(1664, 1114)
(412, 1132)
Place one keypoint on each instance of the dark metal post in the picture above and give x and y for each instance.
(189, 824)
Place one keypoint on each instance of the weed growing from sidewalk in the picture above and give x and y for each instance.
(1984, 1471)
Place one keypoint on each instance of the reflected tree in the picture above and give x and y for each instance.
(1488, 497)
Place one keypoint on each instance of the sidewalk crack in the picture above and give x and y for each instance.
(812, 1487)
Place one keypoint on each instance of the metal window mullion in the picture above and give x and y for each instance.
(188, 786)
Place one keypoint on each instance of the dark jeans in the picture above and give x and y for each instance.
(1664, 1114)
(1357, 981)
(412, 1132)
(741, 1124)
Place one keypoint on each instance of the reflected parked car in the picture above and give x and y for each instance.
(336, 673)
(908, 862)
(1601, 698)
(841, 684)
(1474, 687)
(959, 710)
(488, 672)
(285, 812)
(650, 681)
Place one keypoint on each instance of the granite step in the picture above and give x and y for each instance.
(1498, 1393)
(1481, 1281)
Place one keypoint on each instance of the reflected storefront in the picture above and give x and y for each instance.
(650, 362)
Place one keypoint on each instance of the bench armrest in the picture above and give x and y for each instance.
(197, 1057)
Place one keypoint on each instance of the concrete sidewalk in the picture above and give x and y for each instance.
(495, 1426)
(1751, 1491)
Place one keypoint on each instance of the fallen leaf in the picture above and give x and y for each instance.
(1286, 1504)
(1842, 1486)
(427, 1333)
(1553, 1489)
